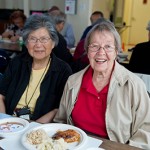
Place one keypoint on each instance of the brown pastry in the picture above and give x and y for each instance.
(69, 136)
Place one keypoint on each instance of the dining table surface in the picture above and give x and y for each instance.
(111, 145)
(10, 46)
(106, 144)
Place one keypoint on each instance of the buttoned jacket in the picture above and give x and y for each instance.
(128, 107)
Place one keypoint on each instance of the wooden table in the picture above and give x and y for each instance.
(10, 46)
(110, 145)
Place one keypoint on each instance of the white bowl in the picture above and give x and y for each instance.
(12, 126)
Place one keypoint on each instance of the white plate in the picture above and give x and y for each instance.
(51, 129)
(12, 126)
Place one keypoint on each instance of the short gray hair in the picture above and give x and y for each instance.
(37, 21)
(104, 25)
(57, 16)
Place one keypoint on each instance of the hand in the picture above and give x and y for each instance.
(47, 118)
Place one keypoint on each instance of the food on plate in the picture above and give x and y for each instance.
(10, 127)
(50, 144)
(42, 141)
(37, 136)
(68, 135)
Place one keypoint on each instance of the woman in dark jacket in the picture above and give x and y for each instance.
(34, 81)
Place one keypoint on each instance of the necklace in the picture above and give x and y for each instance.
(27, 103)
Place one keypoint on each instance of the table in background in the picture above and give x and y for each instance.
(10, 46)
(126, 62)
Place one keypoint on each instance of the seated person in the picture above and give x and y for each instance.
(68, 34)
(80, 59)
(94, 17)
(61, 50)
(105, 99)
(14, 31)
(80, 53)
(139, 61)
(67, 30)
(33, 82)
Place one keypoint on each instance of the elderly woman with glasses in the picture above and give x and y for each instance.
(105, 98)
(34, 81)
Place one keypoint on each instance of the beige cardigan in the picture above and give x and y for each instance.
(128, 107)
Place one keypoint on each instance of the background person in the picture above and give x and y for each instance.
(61, 50)
(34, 81)
(93, 18)
(67, 31)
(80, 57)
(139, 61)
(113, 101)
(14, 31)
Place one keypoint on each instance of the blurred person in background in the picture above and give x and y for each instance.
(93, 18)
(139, 61)
(113, 101)
(14, 31)
(80, 54)
(61, 50)
(33, 82)
(67, 30)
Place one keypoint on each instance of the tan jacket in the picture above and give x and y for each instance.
(128, 107)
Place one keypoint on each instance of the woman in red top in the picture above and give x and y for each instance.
(105, 98)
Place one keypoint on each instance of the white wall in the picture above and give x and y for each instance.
(103, 5)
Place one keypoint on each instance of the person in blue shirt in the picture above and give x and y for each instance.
(94, 17)
(67, 32)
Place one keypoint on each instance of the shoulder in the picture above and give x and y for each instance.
(123, 76)
(142, 45)
(76, 78)
(59, 64)
(20, 59)
(88, 28)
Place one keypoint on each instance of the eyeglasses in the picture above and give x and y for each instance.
(35, 40)
(96, 48)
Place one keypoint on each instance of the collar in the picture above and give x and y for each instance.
(119, 76)
(55, 62)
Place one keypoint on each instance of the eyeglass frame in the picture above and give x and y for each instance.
(39, 39)
(105, 48)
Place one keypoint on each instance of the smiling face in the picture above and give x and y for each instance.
(40, 51)
(102, 61)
